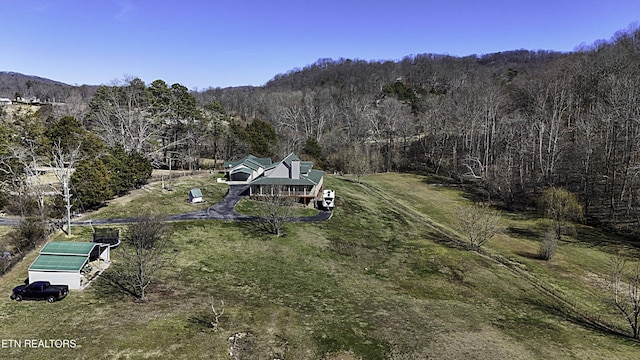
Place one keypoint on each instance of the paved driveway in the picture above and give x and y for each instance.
(224, 210)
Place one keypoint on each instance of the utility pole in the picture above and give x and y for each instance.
(67, 198)
(170, 186)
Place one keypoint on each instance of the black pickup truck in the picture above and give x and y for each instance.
(40, 290)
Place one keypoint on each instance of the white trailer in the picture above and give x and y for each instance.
(328, 199)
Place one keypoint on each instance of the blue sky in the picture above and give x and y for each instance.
(203, 44)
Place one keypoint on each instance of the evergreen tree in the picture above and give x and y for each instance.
(261, 136)
(90, 184)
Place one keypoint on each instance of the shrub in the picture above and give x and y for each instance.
(548, 245)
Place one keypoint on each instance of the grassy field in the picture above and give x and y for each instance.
(253, 207)
(173, 199)
(384, 278)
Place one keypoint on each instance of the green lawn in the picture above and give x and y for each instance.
(384, 278)
(173, 199)
(253, 207)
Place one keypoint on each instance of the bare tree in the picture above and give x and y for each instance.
(120, 115)
(384, 128)
(12, 177)
(144, 253)
(626, 293)
(288, 115)
(64, 161)
(22, 178)
(217, 313)
(28, 234)
(480, 223)
(548, 245)
(6, 261)
(357, 161)
(561, 206)
(276, 209)
(75, 105)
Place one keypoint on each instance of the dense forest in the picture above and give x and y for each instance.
(509, 124)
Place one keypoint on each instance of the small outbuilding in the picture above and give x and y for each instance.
(70, 263)
(195, 196)
(110, 236)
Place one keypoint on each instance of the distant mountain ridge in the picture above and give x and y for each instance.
(11, 74)
(13, 84)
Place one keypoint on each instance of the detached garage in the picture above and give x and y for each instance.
(70, 263)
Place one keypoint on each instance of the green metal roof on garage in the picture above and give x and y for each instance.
(58, 263)
(242, 170)
(249, 161)
(67, 248)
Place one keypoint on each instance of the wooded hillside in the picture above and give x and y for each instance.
(14, 85)
(513, 123)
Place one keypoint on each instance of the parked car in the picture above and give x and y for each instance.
(40, 290)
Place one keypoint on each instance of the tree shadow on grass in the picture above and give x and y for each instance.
(204, 320)
(530, 255)
(523, 233)
(201, 321)
(108, 289)
(258, 228)
(608, 241)
(442, 237)
(111, 288)
(551, 305)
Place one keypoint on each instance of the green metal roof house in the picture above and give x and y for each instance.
(247, 168)
(61, 262)
(291, 175)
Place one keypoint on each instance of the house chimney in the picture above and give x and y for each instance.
(295, 169)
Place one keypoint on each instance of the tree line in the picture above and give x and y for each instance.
(74, 157)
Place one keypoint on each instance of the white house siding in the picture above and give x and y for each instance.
(70, 278)
(318, 188)
(105, 253)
